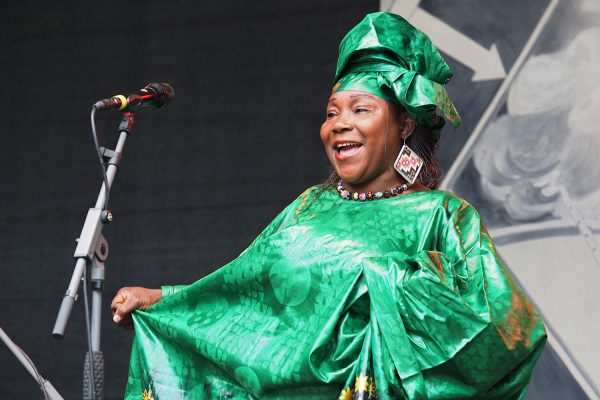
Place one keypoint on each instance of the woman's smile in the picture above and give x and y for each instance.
(344, 149)
(361, 138)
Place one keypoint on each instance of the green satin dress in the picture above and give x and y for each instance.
(397, 298)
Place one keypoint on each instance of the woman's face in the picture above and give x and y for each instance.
(361, 138)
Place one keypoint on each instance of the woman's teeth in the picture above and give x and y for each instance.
(342, 145)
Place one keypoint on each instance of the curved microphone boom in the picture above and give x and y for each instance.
(153, 95)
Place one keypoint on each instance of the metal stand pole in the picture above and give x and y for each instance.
(49, 391)
(92, 249)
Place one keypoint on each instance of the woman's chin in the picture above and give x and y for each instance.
(351, 180)
(348, 178)
(349, 172)
(363, 182)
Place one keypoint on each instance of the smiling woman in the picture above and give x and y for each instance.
(381, 288)
(357, 139)
(357, 120)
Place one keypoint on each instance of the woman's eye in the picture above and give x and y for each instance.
(331, 114)
(360, 110)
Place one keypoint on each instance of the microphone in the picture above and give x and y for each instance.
(153, 95)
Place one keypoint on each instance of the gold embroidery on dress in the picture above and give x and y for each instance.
(346, 394)
(147, 395)
(364, 388)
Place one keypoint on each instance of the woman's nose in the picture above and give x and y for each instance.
(342, 125)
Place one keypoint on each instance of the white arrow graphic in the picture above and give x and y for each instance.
(485, 63)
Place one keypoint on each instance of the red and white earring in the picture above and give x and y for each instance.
(408, 164)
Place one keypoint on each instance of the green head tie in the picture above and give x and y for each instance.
(386, 56)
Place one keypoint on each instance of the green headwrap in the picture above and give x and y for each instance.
(386, 56)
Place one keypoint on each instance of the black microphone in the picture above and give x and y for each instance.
(154, 95)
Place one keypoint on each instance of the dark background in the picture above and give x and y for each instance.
(200, 178)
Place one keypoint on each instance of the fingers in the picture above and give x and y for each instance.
(121, 296)
(129, 299)
(125, 322)
(124, 309)
(121, 316)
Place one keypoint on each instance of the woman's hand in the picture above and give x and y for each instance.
(129, 299)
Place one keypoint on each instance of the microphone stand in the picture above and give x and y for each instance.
(92, 249)
(50, 393)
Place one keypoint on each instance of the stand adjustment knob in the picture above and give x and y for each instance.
(106, 216)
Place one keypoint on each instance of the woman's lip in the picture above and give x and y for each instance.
(347, 153)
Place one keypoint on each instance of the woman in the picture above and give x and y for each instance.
(375, 286)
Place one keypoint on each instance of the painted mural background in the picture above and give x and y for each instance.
(531, 166)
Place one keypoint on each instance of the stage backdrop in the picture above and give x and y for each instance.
(204, 175)
(529, 162)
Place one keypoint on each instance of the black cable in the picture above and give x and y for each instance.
(88, 332)
(100, 158)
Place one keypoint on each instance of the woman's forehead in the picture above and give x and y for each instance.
(354, 94)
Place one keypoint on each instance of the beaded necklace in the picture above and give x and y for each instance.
(348, 195)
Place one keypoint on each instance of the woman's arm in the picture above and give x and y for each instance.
(129, 299)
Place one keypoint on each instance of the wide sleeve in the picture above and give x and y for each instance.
(487, 287)
(483, 281)
(301, 203)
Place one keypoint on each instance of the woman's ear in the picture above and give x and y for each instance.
(407, 126)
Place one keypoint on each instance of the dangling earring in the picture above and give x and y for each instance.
(408, 164)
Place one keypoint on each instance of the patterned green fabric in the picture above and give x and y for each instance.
(388, 57)
(398, 298)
